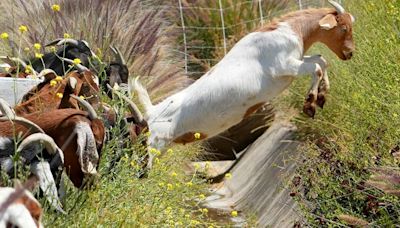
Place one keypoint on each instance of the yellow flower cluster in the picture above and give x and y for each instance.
(228, 176)
(77, 61)
(197, 135)
(66, 36)
(56, 7)
(23, 28)
(37, 46)
(38, 55)
(234, 213)
(59, 95)
(4, 36)
(53, 83)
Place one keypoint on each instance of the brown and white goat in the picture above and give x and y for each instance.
(19, 208)
(44, 96)
(258, 68)
(79, 134)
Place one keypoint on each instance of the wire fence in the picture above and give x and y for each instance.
(230, 17)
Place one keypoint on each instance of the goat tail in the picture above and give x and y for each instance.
(143, 95)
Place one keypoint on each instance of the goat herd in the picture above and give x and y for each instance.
(50, 133)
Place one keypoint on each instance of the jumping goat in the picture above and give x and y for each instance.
(258, 68)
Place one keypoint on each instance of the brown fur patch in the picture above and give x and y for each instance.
(188, 138)
(252, 109)
(33, 207)
(273, 25)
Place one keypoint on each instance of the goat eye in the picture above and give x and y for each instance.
(344, 29)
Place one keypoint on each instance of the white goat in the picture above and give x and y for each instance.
(258, 68)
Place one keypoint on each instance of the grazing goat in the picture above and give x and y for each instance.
(28, 151)
(257, 69)
(43, 97)
(79, 134)
(70, 49)
(19, 208)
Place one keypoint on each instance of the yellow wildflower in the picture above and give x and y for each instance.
(170, 151)
(27, 49)
(4, 36)
(37, 46)
(77, 61)
(147, 134)
(133, 164)
(59, 95)
(38, 55)
(161, 184)
(82, 97)
(23, 28)
(189, 184)
(174, 174)
(197, 166)
(170, 187)
(157, 161)
(187, 216)
(234, 213)
(59, 78)
(56, 7)
(202, 196)
(53, 49)
(197, 135)
(28, 69)
(204, 210)
(228, 175)
(207, 165)
(53, 83)
(66, 36)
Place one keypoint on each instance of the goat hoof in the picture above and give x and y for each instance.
(309, 109)
(321, 101)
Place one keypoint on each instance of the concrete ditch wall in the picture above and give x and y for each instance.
(257, 179)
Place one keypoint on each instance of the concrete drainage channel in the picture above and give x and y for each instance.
(258, 179)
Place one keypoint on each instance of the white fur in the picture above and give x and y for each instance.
(86, 151)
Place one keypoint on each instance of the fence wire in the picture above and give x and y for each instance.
(189, 48)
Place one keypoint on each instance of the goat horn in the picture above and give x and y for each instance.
(137, 115)
(6, 110)
(118, 55)
(72, 82)
(54, 42)
(34, 128)
(337, 6)
(67, 41)
(81, 68)
(46, 72)
(87, 106)
(44, 139)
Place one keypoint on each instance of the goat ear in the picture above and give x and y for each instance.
(328, 22)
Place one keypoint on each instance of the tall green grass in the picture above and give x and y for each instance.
(357, 129)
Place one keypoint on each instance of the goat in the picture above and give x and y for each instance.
(116, 72)
(70, 49)
(19, 208)
(257, 69)
(80, 135)
(28, 150)
(43, 97)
